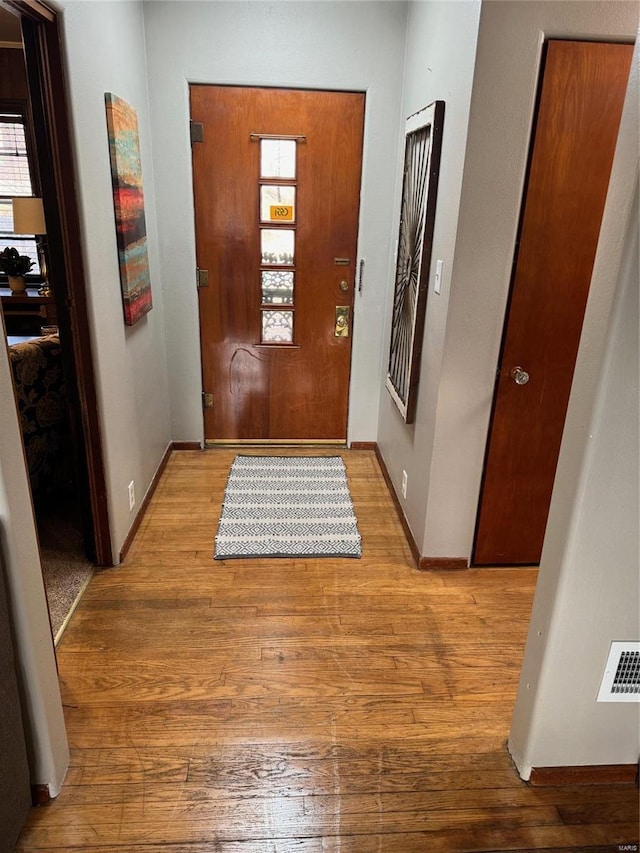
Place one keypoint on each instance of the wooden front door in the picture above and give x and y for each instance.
(277, 189)
(580, 106)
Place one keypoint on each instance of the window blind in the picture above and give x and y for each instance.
(15, 180)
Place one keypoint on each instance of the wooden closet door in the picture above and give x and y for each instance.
(583, 91)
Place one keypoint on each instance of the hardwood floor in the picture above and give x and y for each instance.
(315, 706)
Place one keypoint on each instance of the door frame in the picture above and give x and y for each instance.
(357, 272)
(52, 132)
(507, 308)
(514, 265)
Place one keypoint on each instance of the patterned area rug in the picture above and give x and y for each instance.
(287, 506)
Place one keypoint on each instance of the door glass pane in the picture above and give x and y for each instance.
(277, 287)
(277, 327)
(277, 158)
(277, 204)
(276, 246)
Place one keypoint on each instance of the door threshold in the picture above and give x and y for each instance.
(279, 442)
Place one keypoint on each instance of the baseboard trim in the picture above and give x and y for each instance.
(424, 564)
(413, 545)
(363, 445)
(185, 445)
(447, 564)
(137, 521)
(40, 795)
(592, 774)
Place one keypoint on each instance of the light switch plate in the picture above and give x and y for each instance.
(437, 282)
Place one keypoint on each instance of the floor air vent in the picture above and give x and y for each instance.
(621, 680)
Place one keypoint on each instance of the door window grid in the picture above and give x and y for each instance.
(277, 193)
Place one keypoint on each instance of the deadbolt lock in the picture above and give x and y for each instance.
(342, 321)
(344, 286)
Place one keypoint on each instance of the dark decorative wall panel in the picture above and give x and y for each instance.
(423, 144)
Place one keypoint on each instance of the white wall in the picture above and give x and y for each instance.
(105, 49)
(36, 665)
(588, 587)
(441, 44)
(509, 46)
(337, 45)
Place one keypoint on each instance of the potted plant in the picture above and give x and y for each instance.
(16, 266)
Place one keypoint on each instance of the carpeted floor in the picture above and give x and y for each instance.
(65, 568)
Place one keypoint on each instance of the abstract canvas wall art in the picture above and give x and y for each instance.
(423, 144)
(128, 202)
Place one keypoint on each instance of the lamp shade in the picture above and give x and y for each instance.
(28, 216)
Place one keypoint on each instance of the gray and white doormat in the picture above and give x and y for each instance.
(287, 506)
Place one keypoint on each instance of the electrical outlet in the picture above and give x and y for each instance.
(404, 484)
(132, 496)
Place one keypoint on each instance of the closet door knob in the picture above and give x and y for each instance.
(519, 376)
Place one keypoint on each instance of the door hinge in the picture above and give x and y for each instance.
(207, 400)
(202, 278)
(196, 131)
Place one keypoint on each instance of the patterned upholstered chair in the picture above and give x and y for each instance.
(42, 408)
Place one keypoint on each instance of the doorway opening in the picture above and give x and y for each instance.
(64, 463)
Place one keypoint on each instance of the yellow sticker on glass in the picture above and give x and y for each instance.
(281, 212)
